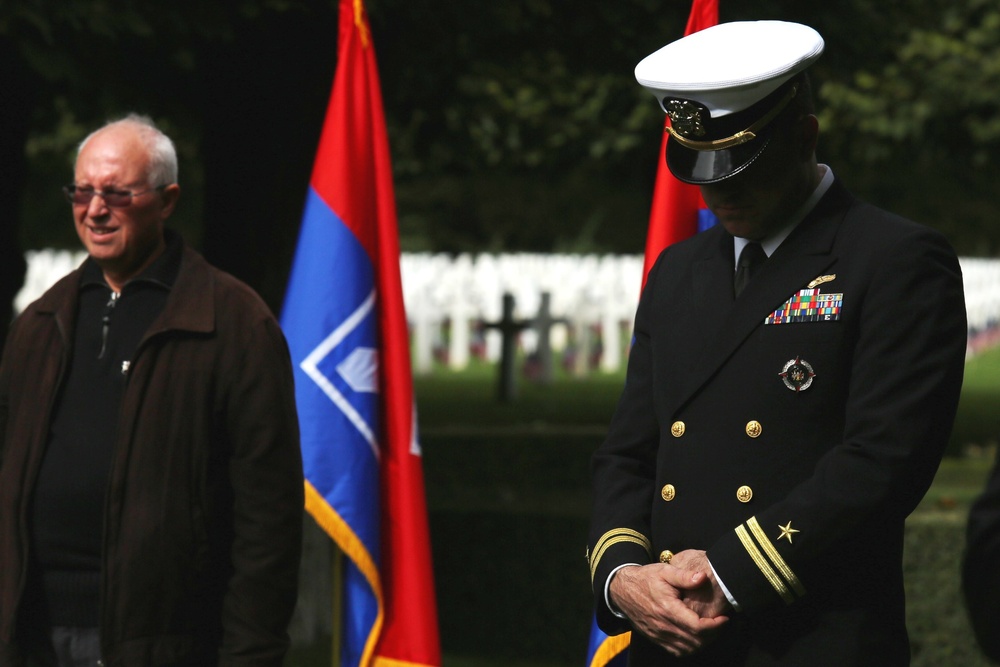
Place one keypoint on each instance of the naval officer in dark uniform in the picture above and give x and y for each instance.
(790, 392)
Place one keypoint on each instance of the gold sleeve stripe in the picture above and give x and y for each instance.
(624, 531)
(610, 543)
(765, 569)
(616, 536)
(775, 557)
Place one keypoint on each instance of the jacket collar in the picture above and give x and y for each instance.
(162, 271)
(190, 306)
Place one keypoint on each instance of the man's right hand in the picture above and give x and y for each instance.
(651, 597)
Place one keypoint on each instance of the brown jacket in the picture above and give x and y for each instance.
(203, 516)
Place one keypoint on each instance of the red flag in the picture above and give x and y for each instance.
(345, 322)
(678, 210)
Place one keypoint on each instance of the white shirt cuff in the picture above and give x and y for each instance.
(722, 585)
(607, 590)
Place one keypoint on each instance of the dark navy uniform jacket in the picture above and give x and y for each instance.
(788, 432)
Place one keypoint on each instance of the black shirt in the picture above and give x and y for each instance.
(68, 502)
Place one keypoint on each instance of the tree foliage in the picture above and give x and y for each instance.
(506, 116)
(922, 124)
(520, 125)
(515, 124)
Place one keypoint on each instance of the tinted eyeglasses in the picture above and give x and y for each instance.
(81, 196)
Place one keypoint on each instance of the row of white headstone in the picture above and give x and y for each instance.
(450, 300)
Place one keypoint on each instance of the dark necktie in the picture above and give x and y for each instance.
(751, 257)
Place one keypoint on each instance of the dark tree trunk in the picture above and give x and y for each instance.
(15, 119)
(264, 101)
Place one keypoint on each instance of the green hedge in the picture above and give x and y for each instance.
(509, 521)
(508, 494)
(517, 498)
(939, 628)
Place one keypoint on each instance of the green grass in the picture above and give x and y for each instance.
(468, 401)
(958, 482)
(977, 425)
(508, 496)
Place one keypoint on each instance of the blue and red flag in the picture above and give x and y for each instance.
(345, 322)
(678, 212)
(605, 651)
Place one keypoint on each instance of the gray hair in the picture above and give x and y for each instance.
(162, 154)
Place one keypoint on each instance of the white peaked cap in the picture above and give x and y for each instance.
(730, 66)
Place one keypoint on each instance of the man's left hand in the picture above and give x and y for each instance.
(707, 600)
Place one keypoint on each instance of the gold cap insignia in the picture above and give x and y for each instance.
(685, 117)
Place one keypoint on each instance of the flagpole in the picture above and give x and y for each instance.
(337, 630)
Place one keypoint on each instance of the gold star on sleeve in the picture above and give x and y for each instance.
(786, 531)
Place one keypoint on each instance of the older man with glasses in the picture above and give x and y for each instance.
(150, 475)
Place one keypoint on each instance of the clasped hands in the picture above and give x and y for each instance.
(677, 605)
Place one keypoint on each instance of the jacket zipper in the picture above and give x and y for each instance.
(109, 308)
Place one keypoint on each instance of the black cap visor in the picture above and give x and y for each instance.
(701, 167)
(704, 167)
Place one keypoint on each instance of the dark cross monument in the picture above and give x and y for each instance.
(543, 324)
(509, 328)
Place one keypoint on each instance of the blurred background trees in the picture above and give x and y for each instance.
(515, 124)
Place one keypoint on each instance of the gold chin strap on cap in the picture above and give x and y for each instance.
(741, 137)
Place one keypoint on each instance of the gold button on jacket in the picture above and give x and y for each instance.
(668, 492)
